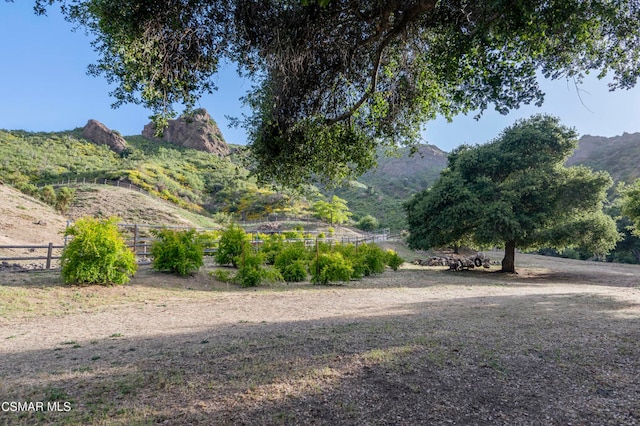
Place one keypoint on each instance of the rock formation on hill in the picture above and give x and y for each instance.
(100, 134)
(196, 131)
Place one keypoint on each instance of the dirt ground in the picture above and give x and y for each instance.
(559, 343)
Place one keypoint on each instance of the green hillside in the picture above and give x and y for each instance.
(203, 182)
(618, 155)
(382, 192)
(191, 179)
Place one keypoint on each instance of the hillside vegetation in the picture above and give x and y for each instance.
(191, 179)
(382, 191)
(201, 182)
(617, 155)
(205, 184)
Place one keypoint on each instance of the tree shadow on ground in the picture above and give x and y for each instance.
(544, 358)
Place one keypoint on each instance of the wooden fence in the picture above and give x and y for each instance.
(140, 240)
(48, 258)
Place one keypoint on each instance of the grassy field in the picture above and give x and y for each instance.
(559, 343)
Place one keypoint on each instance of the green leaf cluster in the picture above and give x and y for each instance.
(177, 251)
(334, 80)
(232, 242)
(335, 211)
(515, 191)
(97, 254)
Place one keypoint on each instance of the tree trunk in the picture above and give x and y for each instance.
(509, 261)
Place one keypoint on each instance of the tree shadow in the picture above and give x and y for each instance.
(551, 358)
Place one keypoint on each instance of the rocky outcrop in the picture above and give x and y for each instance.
(100, 134)
(196, 131)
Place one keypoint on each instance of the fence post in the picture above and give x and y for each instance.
(66, 237)
(49, 253)
(135, 237)
(317, 261)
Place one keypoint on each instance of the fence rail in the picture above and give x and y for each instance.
(49, 257)
(140, 243)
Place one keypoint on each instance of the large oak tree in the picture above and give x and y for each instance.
(515, 192)
(337, 78)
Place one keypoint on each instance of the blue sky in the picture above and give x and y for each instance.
(44, 87)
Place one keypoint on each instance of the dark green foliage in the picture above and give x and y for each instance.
(333, 78)
(515, 192)
(292, 262)
(64, 199)
(97, 254)
(330, 267)
(295, 271)
(368, 223)
(179, 252)
(230, 246)
(250, 268)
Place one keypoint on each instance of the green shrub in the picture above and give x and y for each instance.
(250, 271)
(97, 254)
(179, 252)
(373, 258)
(272, 245)
(348, 251)
(368, 223)
(394, 260)
(289, 254)
(249, 277)
(293, 235)
(292, 262)
(48, 195)
(271, 274)
(64, 199)
(230, 246)
(330, 267)
(295, 272)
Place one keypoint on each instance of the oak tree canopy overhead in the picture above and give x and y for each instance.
(334, 79)
(515, 192)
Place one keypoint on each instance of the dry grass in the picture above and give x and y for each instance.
(557, 344)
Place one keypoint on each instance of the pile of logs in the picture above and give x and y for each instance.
(16, 267)
(456, 262)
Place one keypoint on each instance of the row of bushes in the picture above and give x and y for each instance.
(98, 254)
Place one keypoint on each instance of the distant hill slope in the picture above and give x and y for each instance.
(132, 207)
(25, 220)
(401, 176)
(618, 155)
(382, 192)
